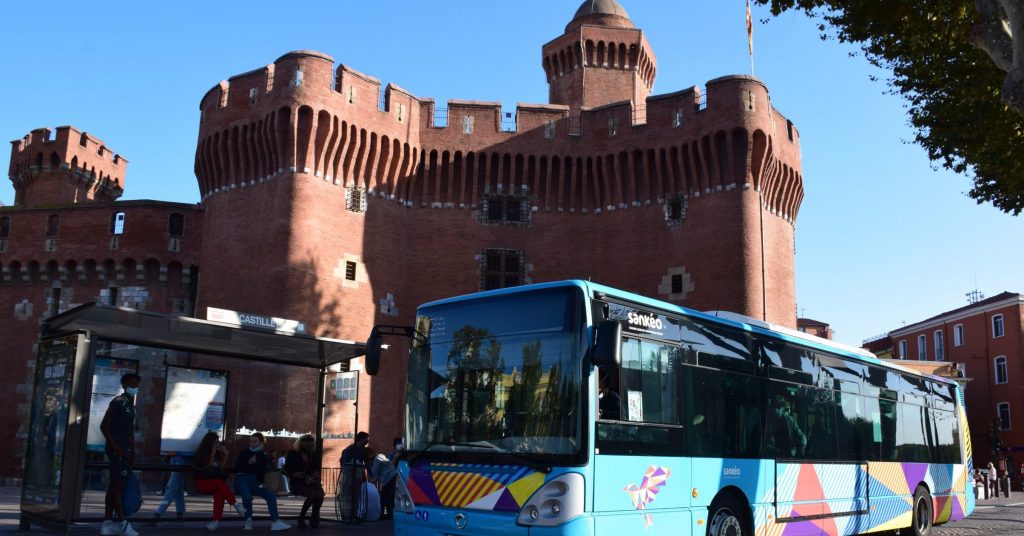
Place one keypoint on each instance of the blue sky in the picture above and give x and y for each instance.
(882, 238)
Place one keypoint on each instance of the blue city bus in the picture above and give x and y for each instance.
(572, 408)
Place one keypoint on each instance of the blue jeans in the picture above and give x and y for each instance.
(175, 491)
(246, 486)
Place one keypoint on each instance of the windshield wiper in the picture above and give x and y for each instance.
(530, 461)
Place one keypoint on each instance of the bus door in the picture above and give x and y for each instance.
(638, 482)
(641, 479)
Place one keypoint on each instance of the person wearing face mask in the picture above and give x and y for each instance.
(118, 426)
(251, 467)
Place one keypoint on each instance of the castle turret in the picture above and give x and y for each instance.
(600, 59)
(71, 167)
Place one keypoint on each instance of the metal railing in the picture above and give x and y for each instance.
(508, 122)
(440, 117)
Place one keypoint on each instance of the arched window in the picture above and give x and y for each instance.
(5, 227)
(117, 223)
(176, 224)
(52, 225)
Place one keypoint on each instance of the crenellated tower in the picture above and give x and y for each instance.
(600, 59)
(70, 167)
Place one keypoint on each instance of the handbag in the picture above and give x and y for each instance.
(272, 481)
(132, 494)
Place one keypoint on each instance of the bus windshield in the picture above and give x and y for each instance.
(498, 375)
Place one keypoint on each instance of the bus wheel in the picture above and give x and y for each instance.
(922, 518)
(727, 519)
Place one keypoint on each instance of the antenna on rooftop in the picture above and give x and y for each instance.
(974, 296)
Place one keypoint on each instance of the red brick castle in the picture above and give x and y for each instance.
(331, 199)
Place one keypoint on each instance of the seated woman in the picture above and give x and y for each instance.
(302, 465)
(250, 469)
(211, 476)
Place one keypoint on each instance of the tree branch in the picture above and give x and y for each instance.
(991, 34)
(1013, 86)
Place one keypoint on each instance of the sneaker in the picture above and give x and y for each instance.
(240, 509)
(109, 528)
(213, 526)
(127, 529)
(248, 524)
(280, 525)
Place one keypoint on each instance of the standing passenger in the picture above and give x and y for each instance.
(118, 426)
(303, 469)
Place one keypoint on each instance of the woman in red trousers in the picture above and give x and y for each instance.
(211, 478)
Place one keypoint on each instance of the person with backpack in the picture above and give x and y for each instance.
(119, 425)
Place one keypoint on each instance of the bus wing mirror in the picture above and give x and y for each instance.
(607, 349)
(373, 348)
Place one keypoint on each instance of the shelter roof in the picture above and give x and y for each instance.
(143, 328)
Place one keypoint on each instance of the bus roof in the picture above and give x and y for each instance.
(726, 318)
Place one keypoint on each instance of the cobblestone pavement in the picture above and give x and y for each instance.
(991, 517)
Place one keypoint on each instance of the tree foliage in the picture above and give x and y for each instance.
(957, 64)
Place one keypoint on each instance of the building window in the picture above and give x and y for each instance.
(903, 349)
(350, 270)
(298, 77)
(53, 225)
(940, 347)
(346, 386)
(677, 118)
(176, 224)
(505, 209)
(352, 92)
(922, 348)
(1003, 410)
(1001, 373)
(117, 223)
(501, 268)
(998, 330)
(467, 124)
(5, 227)
(253, 93)
(549, 129)
(677, 286)
(401, 113)
(958, 335)
(355, 199)
(613, 126)
(675, 210)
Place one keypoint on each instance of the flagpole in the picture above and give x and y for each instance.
(750, 38)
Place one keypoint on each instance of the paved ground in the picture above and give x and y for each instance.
(993, 517)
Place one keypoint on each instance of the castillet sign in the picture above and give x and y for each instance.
(249, 320)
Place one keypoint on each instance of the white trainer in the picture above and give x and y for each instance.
(128, 530)
(240, 509)
(280, 525)
(248, 523)
(109, 528)
(213, 526)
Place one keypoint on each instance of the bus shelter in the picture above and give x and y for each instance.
(188, 366)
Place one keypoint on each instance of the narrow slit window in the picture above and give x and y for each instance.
(350, 270)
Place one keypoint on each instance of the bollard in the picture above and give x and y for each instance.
(1006, 487)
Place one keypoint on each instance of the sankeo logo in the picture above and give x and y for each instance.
(647, 321)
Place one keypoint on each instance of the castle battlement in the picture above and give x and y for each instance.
(66, 166)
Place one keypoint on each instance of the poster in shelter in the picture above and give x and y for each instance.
(193, 405)
(44, 457)
(106, 385)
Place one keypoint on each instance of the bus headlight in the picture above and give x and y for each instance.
(555, 503)
(403, 500)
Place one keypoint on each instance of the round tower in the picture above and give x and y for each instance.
(601, 58)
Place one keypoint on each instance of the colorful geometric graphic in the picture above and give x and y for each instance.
(498, 488)
(654, 479)
(843, 499)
